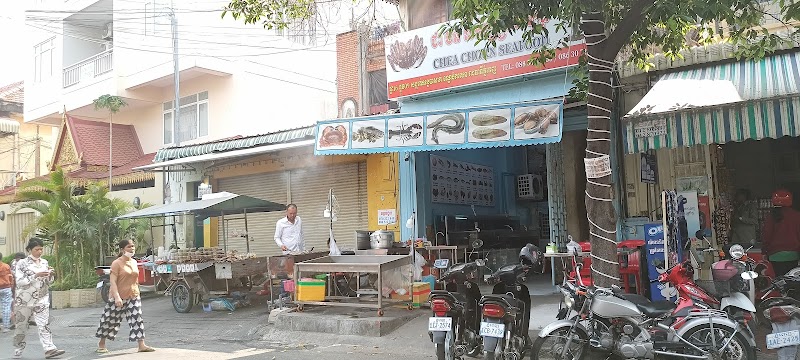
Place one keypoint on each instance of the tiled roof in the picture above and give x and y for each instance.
(13, 92)
(126, 169)
(91, 142)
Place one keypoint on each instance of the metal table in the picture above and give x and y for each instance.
(354, 264)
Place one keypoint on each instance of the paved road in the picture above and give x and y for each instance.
(243, 334)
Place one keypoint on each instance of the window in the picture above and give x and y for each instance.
(192, 118)
(378, 94)
(43, 60)
(422, 13)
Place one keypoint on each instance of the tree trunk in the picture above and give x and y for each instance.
(55, 256)
(599, 193)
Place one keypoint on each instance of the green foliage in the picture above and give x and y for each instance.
(77, 224)
(109, 102)
(273, 14)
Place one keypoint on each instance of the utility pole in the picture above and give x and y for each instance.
(176, 74)
(38, 150)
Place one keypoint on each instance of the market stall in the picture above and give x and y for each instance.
(375, 264)
(195, 275)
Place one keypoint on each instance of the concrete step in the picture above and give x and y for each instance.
(346, 321)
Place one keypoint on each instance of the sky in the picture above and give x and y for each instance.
(12, 25)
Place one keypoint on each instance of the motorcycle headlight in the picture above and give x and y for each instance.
(569, 301)
(736, 251)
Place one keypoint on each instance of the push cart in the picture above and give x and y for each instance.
(195, 275)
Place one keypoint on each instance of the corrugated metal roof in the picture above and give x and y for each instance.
(9, 126)
(234, 144)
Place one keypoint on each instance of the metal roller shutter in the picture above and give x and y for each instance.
(310, 194)
(16, 225)
(268, 186)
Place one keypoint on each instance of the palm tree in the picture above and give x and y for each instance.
(53, 200)
(112, 104)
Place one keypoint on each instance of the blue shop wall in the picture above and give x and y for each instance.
(507, 163)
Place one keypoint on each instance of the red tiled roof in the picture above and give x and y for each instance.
(91, 142)
(13, 92)
(125, 169)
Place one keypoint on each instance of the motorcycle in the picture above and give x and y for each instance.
(632, 327)
(725, 292)
(103, 281)
(453, 328)
(506, 314)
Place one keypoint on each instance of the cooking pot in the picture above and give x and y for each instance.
(381, 239)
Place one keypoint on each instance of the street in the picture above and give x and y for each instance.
(243, 334)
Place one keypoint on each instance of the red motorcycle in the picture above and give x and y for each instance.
(724, 293)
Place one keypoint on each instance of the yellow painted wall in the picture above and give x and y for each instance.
(383, 185)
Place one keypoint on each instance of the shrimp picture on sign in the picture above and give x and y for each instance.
(405, 131)
(538, 121)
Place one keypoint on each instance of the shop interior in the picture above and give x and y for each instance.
(760, 167)
(491, 202)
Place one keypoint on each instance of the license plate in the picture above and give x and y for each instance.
(497, 330)
(783, 339)
(440, 324)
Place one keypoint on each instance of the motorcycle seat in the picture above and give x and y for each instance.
(656, 309)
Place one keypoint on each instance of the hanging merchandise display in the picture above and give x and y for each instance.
(671, 227)
(722, 219)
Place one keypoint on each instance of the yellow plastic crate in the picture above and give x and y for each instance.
(311, 290)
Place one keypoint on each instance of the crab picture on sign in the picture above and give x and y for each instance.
(405, 131)
(333, 136)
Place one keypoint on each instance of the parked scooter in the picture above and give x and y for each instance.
(506, 312)
(103, 281)
(454, 325)
(632, 327)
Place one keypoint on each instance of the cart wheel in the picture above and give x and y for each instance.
(300, 308)
(410, 307)
(380, 312)
(182, 297)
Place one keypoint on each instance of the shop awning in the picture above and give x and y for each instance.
(748, 99)
(215, 204)
(226, 155)
(8, 126)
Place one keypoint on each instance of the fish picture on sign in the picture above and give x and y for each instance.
(536, 121)
(446, 129)
(369, 134)
(490, 125)
(405, 131)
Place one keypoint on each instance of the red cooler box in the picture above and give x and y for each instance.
(145, 276)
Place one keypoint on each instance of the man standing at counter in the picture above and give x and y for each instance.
(289, 232)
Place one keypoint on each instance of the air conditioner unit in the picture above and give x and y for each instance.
(530, 187)
(109, 34)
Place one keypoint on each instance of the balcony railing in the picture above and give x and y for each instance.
(88, 69)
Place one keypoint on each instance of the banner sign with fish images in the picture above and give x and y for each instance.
(527, 123)
(424, 60)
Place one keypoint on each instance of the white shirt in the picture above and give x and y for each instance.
(30, 289)
(290, 235)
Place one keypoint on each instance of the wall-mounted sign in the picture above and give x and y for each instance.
(650, 128)
(387, 217)
(649, 168)
(459, 182)
(423, 61)
(527, 123)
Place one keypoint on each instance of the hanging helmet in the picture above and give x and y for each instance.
(530, 255)
(781, 198)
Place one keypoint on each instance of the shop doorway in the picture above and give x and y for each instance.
(758, 167)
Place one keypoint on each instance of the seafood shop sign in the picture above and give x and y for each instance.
(423, 61)
(526, 123)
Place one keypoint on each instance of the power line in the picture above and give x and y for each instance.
(290, 82)
(169, 52)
